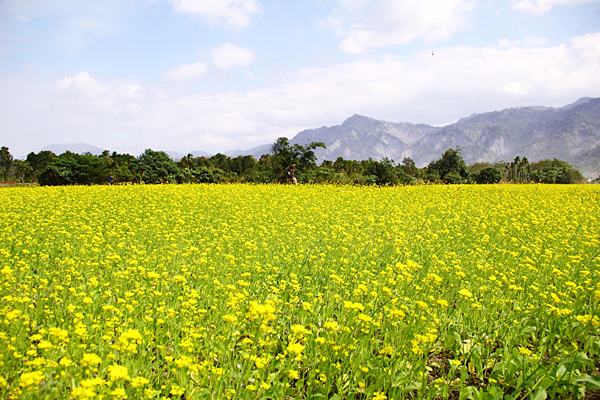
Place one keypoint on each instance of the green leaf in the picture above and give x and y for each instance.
(595, 382)
(495, 393)
(399, 379)
(529, 329)
(466, 393)
(560, 372)
(539, 394)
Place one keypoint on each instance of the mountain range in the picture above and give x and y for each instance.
(570, 133)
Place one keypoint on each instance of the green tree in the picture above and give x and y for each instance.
(39, 162)
(186, 162)
(74, 169)
(488, 175)
(156, 167)
(123, 168)
(283, 154)
(518, 171)
(350, 167)
(382, 172)
(451, 168)
(20, 169)
(6, 160)
(555, 171)
(242, 165)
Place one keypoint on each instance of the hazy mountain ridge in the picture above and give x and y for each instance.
(570, 133)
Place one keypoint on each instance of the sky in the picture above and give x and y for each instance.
(219, 75)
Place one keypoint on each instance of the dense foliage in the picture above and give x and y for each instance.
(154, 167)
(281, 292)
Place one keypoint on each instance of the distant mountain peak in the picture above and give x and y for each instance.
(357, 118)
(579, 102)
(78, 148)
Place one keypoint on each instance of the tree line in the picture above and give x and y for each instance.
(152, 167)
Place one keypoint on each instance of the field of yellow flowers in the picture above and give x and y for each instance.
(303, 292)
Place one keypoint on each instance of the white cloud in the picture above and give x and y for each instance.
(229, 55)
(233, 13)
(81, 85)
(527, 42)
(187, 71)
(84, 100)
(544, 6)
(367, 24)
(453, 83)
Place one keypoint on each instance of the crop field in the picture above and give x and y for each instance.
(300, 292)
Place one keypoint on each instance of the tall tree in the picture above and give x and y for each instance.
(6, 160)
(20, 169)
(451, 168)
(40, 161)
(156, 167)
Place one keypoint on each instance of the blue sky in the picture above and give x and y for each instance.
(218, 75)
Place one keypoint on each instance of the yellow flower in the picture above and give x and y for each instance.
(293, 374)
(177, 390)
(295, 348)
(65, 362)
(91, 383)
(300, 330)
(139, 381)
(90, 359)
(365, 318)
(183, 361)
(525, 350)
(131, 334)
(119, 393)
(260, 362)
(265, 386)
(116, 372)
(331, 325)
(83, 393)
(29, 379)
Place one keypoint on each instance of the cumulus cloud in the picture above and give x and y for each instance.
(229, 55)
(81, 85)
(367, 24)
(233, 13)
(83, 100)
(544, 6)
(187, 71)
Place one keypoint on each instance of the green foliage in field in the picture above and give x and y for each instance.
(249, 292)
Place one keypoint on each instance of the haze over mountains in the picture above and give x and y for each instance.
(570, 133)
